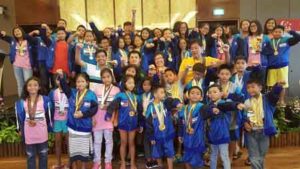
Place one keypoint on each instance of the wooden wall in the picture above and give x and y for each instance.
(34, 12)
(205, 9)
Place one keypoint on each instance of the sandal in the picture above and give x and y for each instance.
(247, 162)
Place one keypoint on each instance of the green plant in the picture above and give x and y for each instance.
(51, 140)
(8, 133)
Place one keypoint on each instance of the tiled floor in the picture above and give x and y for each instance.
(287, 158)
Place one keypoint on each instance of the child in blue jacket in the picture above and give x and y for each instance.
(191, 131)
(278, 63)
(219, 125)
(83, 105)
(34, 121)
(159, 126)
(258, 120)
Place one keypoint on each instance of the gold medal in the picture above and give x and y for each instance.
(131, 113)
(170, 58)
(188, 118)
(275, 46)
(162, 127)
(190, 130)
(79, 99)
(32, 123)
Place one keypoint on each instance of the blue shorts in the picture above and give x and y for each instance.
(163, 149)
(60, 126)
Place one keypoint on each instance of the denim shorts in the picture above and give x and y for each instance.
(60, 126)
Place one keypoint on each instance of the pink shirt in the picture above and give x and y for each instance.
(254, 56)
(61, 105)
(22, 55)
(38, 133)
(101, 124)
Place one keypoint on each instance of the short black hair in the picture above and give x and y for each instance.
(199, 67)
(61, 19)
(279, 27)
(240, 58)
(203, 24)
(158, 87)
(195, 87)
(100, 51)
(104, 38)
(166, 29)
(157, 54)
(194, 42)
(80, 26)
(146, 79)
(60, 28)
(215, 85)
(134, 52)
(171, 70)
(128, 23)
(225, 66)
(255, 81)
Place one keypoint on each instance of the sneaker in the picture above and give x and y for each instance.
(248, 162)
(96, 166)
(154, 163)
(108, 166)
(148, 165)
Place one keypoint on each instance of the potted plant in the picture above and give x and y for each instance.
(10, 141)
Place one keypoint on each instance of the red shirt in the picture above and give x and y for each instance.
(61, 57)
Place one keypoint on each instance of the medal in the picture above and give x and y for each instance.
(79, 99)
(131, 113)
(162, 127)
(105, 94)
(170, 59)
(146, 100)
(190, 131)
(32, 110)
(21, 49)
(133, 104)
(62, 103)
(188, 118)
(90, 50)
(203, 44)
(159, 109)
(102, 106)
(275, 46)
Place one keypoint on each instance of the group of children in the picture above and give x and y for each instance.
(195, 90)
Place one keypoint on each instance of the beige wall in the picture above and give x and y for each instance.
(7, 22)
(111, 13)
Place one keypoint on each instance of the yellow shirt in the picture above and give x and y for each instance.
(191, 62)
